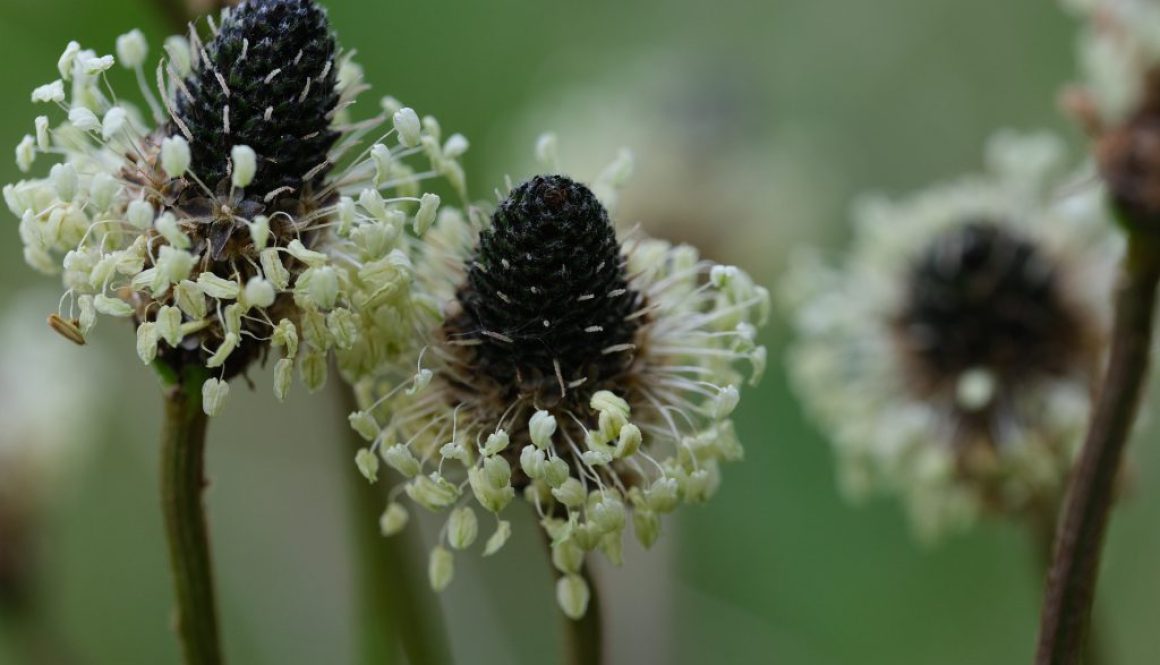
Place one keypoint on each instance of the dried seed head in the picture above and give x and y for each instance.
(267, 82)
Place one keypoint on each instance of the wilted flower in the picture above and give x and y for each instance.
(593, 376)
(223, 220)
(951, 354)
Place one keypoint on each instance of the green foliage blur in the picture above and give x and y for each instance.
(778, 568)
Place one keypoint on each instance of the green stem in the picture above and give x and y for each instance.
(182, 481)
(583, 637)
(397, 610)
(1072, 579)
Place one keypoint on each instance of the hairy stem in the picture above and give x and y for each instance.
(182, 481)
(397, 611)
(1079, 542)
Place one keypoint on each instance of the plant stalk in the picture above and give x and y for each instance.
(584, 637)
(397, 612)
(182, 482)
(1079, 541)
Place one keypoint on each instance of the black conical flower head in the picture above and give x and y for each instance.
(982, 296)
(546, 297)
(268, 83)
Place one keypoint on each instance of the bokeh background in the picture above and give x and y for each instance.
(754, 124)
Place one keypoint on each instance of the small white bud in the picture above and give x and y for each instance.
(548, 151)
(321, 284)
(229, 343)
(399, 458)
(96, 65)
(286, 335)
(147, 342)
(381, 156)
(503, 531)
(139, 214)
(169, 325)
(84, 119)
(629, 442)
(440, 568)
(596, 457)
(132, 49)
(245, 163)
(174, 266)
(166, 225)
(572, 595)
(180, 55)
(114, 122)
(532, 461)
(190, 297)
(368, 464)
(308, 256)
(570, 493)
(175, 156)
(103, 188)
(541, 427)
(608, 514)
(283, 376)
(462, 528)
(496, 441)
(64, 180)
(455, 146)
(567, 557)
(346, 214)
(364, 423)
(725, 402)
(393, 519)
(975, 388)
(721, 277)
(343, 326)
(434, 491)
(428, 207)
(647, 526)
(43, 140)
(259, 293)
(112, 306)
(273, 268)
(213, 396)
(313, 370)
(65, 63)
(663, 495)
(218, 287)
(25, 153)
(421, 380)
(50, 92)
(408, 126)
(556, 472)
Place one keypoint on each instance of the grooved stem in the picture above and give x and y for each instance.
(182, 481)
(396, 610)
(1079, 541)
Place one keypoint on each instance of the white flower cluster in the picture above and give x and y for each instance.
(307, 281)
(991, 440)
(1119, 46)
(633, 451)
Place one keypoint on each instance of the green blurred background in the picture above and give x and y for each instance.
(886, 95)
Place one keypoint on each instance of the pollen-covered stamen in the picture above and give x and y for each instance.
(981, 298)
(268, 82)
(546, 294)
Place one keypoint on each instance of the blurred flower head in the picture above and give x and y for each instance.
(591, 374)
(951, 353)
(716, 169)
(222, 218)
